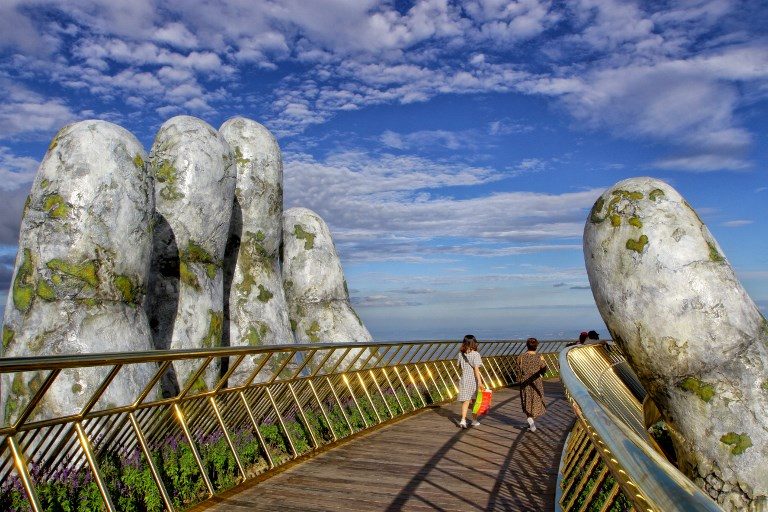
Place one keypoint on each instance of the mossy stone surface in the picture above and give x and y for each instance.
(87, 271)
(258, 313)
(694, 337)
(301, 234)
(699, 388)
(739, 442)
(55, 206)
(23, 292)
(86, 221)
(8, 335)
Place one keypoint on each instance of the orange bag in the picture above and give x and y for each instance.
(482, 402)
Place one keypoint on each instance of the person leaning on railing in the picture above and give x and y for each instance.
(532, 367)
(471, 380)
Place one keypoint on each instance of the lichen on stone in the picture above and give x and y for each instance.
(309, 238)
(633, 196)
(168, 175)
(89, 302)
(215, 322)
(293, 325)
(55, 206)
(714, 254)
(637, 245)
(138, 162)
(44, 183)
(313, 332)
(264, 294)
(635, 221)
(239, 157)
(615, 220)
(54, 142)
(188, 277)
(86, 272)
(704, 391)
(45, 291)
(23, 285)
(596, 209)
(739, 442)
(655, 194)
(196, 253)
(8, 335)
(125, 287)
(255, 336)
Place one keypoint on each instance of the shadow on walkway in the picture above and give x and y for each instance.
(427, 463)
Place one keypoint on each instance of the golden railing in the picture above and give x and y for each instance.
(170, 453)
(609, 461)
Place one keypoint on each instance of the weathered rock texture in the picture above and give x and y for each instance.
(692, 334)
(81, 269)
(257, 312)
(194, 188)
(318, 299)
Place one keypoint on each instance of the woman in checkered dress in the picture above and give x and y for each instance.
(532, 367)
(471, 381)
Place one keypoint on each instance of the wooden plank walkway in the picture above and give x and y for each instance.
(427, 463)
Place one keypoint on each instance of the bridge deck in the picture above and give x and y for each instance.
(427, 463)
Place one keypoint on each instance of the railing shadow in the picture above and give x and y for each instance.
(526, 477)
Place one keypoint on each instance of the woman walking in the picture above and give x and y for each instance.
(471, 380)
(532, 367)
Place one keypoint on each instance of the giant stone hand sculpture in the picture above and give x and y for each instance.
(81, 268)
(258, 313)
(690, 331)
(194, 189)
(318, 299)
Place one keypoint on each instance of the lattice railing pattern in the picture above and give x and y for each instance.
(172, 452)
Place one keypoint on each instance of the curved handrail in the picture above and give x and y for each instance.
(294, 401)
(644, 475)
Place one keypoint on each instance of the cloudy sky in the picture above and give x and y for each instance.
(454, 148)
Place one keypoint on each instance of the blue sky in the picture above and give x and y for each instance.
(454, 148)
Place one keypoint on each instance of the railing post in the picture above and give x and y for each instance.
(85, 445)
(322, 410)
(383, 398)
(256, 430)
(304, 417)
(23, 470)
(341, 407)
(223, 427)
(282, 423)
(368, 395)
(152, 469)
(180, 417)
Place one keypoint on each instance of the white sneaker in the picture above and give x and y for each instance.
(463, 424)
(532, 429)
(475, 423)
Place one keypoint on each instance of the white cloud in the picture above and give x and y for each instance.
(427, 139)
(25, 112)
(15, 171)
(737, 223)
(702, 163)
(390, 207)
(177, 35)
(508, 127)
(639, 70)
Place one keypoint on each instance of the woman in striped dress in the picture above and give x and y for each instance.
(532, 367)
(471, 381)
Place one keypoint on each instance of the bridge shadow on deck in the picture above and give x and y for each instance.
(427, 463)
